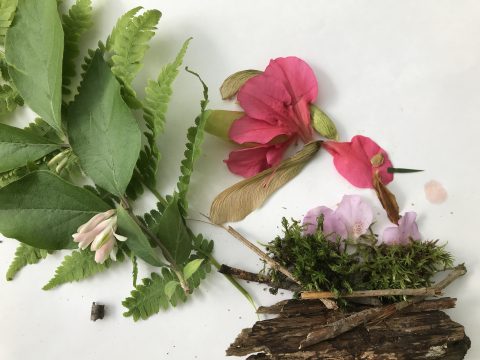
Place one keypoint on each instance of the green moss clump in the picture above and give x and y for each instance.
(342, 266)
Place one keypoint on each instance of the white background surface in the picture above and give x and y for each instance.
(406, 73)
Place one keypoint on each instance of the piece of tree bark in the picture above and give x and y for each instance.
(421, 331)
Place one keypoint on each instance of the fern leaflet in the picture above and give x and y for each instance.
(149, 297)
(155, 105)
(25, 255)
(195, 138)
(9, 99)
(7, 12)
(75, 23)
(79, 265)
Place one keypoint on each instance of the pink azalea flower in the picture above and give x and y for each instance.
(276, 105)
(407, 229)
(99, 231)
(358, 160)
(351, 219)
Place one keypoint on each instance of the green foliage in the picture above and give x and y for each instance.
(75, 24)
(24, 255)
(137, 242)
(102, 130)
(9, 99)
(43, 210)
(36, 70)
(42, 129)
(7, 12)
(150, 297)
(19, 147)
(79, 265)
(195, 137)
(155, 105)
(322, 264)
(128, 43)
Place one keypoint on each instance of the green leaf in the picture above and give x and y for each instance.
(43, 210)
(154, 108)
(170, 288)
(9, 99)
(195, 137)
(75, 24)
(102, 130)
(173, 233)
(34, 52)
(7, 12)
(191, 268)
(137, 242)
(130, 44)
(79, 265)
(392, 170)
(18, 147)
(42, 129)
(24, 255)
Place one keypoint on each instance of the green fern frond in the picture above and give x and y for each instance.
(128, 47)
(120, 27)
(75, 24)
(195, 137)
(9, 99)
(155, 105)
(7, 12)
(25, 255)
(4, 68)
(158, 93)
(79, 265)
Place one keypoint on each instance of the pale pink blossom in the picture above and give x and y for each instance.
(402, 234)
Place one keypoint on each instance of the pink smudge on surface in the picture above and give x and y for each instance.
(435, 192)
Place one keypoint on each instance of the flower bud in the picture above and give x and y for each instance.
(322, 123)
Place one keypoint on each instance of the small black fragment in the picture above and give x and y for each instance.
(98, 311)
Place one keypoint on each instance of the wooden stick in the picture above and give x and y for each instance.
(308, 295)
(260, 253)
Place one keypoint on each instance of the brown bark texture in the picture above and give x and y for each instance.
(419, 331)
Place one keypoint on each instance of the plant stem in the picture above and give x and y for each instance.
(173, 264)
(154, 191)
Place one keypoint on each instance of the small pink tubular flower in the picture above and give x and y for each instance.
(276, 105)
(99, 231)
(358, 160)
(400, 235)
(351, 219)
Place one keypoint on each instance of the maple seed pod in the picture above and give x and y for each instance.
(377, 160)
(322, 123)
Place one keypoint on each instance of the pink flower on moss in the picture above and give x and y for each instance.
(358, 160)
(406, 230)
(351, 219)
(276, 105)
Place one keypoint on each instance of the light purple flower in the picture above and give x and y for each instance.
(407, 229)
(99, 231)
(351, 219)
(356, 214)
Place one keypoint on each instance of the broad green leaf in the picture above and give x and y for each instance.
(34, 53)
(137, 242)
(7, 11)
(24, 255)
(173, 233)
(43, 210)
(79, 265)
(102, 130)
(191, 268)
(170, 288)
(219, 122)
(18, 147)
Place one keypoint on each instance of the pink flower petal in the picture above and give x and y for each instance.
(353, 160)
(310, 221)
(104, 251)
(247, 129)
(265, 98)
(407, 229)
(391, 236)
(95, 220)
(356, 214)
(296, 75)
(250, 161)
